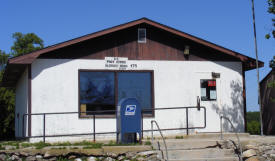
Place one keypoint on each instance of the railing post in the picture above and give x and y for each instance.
(187, 131)
(44, 126)
(23, 125)
(221, 127)
(153, 121)
(204, 117)
(141, 126)
(152, 130)
(18, 123)
(94, 126)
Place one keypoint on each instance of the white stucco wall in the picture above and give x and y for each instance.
(21, 104)
(176, 83)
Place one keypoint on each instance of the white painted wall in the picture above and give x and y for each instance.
(176, 83)
(21, 103)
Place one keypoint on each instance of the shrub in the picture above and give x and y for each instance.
(253, 127)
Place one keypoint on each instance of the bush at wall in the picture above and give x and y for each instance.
(253, 123)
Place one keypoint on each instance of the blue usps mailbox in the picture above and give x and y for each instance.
(128, 120)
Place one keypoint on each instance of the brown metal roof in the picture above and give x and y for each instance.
(30, 57)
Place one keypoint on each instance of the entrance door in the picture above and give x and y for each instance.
(210, 96)
(137, 85)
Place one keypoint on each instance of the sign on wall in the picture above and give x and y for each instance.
(120, 63)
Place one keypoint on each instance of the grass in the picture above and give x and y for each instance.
(113, 143)
(93, 146)
(149, 138)
(10, 143)
(25, 145)
(38, 145)
(41, 145)
(89, 144)
(148, 143)
(59, 148)
(179, 137)
(74, 148)
(85, 144)
(62, 144)
(1, 148)
(14, 144)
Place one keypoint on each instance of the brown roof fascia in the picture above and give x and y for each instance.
(29, 58)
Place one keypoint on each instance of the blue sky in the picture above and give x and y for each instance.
(226, 23)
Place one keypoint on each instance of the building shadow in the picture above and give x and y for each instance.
(234, 110)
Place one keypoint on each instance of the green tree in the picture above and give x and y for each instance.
(271, 10)
(3, 59)
(6, 104)
(272, 63)
(24, 43)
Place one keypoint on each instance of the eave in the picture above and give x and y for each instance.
(12, 74)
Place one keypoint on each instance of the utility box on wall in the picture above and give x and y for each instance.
(128, 120)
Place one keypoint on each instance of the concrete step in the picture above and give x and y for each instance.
(200, 153)
(216, 136)
(208, 159)
(185, 143)
(200, 147)
(208, 136)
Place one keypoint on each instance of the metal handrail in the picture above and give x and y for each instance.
(94, 114)
(152, 135)
(235, 131)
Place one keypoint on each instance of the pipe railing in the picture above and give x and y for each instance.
(163, 139)
(236, 133)
(94, 114)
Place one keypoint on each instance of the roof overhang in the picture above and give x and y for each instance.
(23, 60)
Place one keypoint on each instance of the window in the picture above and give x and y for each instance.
(142, 35)
(96, 91)
(101, 90)
(208, 90)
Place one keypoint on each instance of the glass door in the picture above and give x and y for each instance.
(136, 85)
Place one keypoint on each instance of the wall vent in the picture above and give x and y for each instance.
(142, 35)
